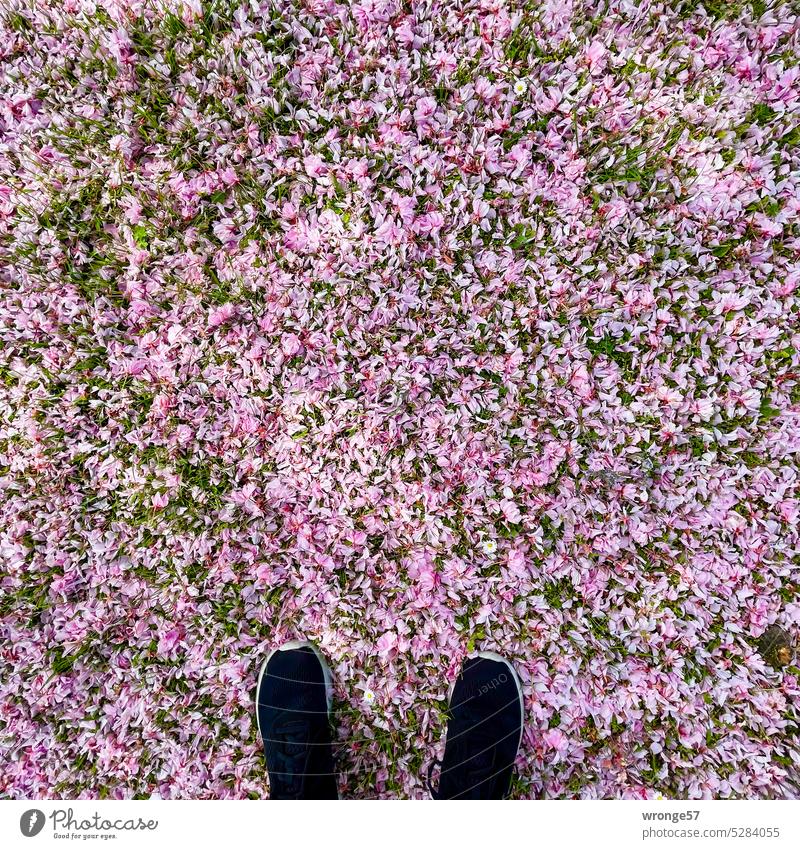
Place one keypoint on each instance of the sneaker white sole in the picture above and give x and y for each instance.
(326, 673)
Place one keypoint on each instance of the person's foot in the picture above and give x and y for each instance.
(484, 731)
(293, 703)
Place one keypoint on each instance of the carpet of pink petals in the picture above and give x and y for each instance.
(411, 328)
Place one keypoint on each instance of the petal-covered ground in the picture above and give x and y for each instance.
(411, 328)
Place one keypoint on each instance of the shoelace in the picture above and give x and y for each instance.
(473, 763)
(292, 740)
(429, 780)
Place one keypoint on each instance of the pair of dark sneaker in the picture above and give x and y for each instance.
(294, 697)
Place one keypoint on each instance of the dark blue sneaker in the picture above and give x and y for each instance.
(293, 703)
(484, 731)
